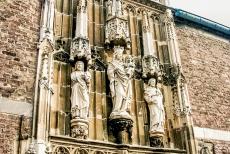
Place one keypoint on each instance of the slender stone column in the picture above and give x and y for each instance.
(80, 48)
(147, 37)
(180, 84)
(171, 37)
(44, 96)
(47, 20)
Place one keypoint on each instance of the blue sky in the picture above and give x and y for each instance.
(216, 10)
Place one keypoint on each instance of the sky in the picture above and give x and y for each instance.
(216, 10)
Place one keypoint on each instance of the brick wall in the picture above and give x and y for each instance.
(9, 128)
(19, 34)
(9, 131)
(205, 61)
(206, 64)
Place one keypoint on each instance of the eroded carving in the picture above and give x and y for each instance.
(154, 99)
(150, 65)
(117, 32)
(80, 101)
(122, 130)
(31, 149)
(80, 91)
(119, 74)
(79, 128)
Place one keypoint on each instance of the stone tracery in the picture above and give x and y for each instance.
(120, 69)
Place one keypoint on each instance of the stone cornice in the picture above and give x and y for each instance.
(150, 4)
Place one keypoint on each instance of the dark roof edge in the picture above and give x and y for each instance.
(204, 22)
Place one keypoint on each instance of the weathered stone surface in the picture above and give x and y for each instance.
(19, 33)
(10, 131)
(215, 146)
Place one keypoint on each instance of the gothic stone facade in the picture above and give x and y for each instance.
(40, 44)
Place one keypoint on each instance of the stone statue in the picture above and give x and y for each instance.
(119, 75)
(154, 99)
(80, 93)
(109, 8)
(119, 8)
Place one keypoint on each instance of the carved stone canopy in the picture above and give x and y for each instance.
(151, 68)
(80, 49)
(117, 32)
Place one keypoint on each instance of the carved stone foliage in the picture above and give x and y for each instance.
(61, 150)
(80, 49)
(117, 32)
(170, 74)
(61, 54)
(122, 130)
(150, 65)
(97, 62)
(48, 149)
(168, 20)
(156, 141)
(79, 128)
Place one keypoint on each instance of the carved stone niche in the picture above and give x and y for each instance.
(150, 65)
(122, 130)
(117, 32)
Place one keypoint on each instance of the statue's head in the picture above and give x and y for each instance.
(79, 66)
(118, 53)
(152, 82)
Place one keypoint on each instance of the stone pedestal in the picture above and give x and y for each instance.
(79, 128)
(156, 140)
(122, 130)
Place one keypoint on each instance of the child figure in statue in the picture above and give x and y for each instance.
(120, 85)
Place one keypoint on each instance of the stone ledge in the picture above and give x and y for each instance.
(15, 107)
(213, 134)
(66, 141)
